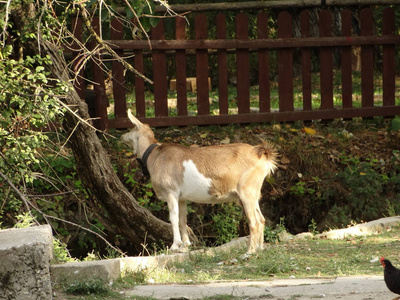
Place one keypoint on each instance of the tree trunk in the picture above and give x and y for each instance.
(111, 200)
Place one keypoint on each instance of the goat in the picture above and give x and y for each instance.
(212, 174)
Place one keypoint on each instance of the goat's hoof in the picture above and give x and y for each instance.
(246, 256)
(182, 250)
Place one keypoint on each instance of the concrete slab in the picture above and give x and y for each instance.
(111, 269)
(350, 288)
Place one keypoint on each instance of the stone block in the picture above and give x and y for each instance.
(25, 256)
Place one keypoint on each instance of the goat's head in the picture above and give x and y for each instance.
(140, 137)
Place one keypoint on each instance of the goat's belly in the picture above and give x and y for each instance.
(194, 195)
(196, 187)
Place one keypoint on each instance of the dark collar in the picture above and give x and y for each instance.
(143, 161)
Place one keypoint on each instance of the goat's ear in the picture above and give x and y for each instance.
(133, 119)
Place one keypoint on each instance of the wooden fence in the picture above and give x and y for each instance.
(284, 46)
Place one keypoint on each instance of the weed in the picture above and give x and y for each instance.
(226, 222)
(313, 227)
(90, 287)
(60, 252)
(272, 235)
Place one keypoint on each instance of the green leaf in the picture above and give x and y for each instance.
(154, 21)
(396, 124)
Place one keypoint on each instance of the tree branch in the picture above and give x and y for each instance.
(107, 47)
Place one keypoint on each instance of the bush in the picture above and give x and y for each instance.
(226, 221)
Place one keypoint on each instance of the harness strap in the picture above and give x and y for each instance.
(143, 161)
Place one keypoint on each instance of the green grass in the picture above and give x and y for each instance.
(300, 258)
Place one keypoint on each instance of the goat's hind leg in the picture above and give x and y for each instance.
(256, 221)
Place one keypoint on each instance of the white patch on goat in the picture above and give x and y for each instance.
(195, 185)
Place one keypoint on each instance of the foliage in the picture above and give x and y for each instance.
(25, 220)
(29, 100)
(60, 252)
(226, 222)
(272, 235)
(366, 184)
(143, 191)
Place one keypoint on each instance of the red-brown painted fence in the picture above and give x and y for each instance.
(387, 44)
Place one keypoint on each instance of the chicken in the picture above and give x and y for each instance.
(392, 276)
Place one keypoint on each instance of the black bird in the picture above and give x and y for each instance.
(392, 276)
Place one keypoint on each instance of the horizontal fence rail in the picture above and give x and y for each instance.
(332, 53)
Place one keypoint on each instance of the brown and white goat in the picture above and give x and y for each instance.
(213, 174)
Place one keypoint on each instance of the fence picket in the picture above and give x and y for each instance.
(347, 81)
(306, 61)
(203, 104)
(242, 65)
(222, 67)
(140, 100)
(101, 102)
(180, 56)
(367, 59)
(160, 73)
(263, 65)
(77, 58)
(285, 61)
(389, 59)
(117, 72)
(326, 61)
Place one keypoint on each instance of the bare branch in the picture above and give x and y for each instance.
(20, 195)
(107, 47)
(28, 203)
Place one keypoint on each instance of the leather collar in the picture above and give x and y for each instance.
(143, 161)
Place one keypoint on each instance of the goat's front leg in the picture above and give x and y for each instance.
(183, 223)
(173, 208)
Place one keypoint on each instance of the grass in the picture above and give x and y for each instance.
(299, 258)
(308, 258)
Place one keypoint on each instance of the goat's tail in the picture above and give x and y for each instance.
(267, 149)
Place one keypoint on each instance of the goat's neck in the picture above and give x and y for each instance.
(144, 143)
